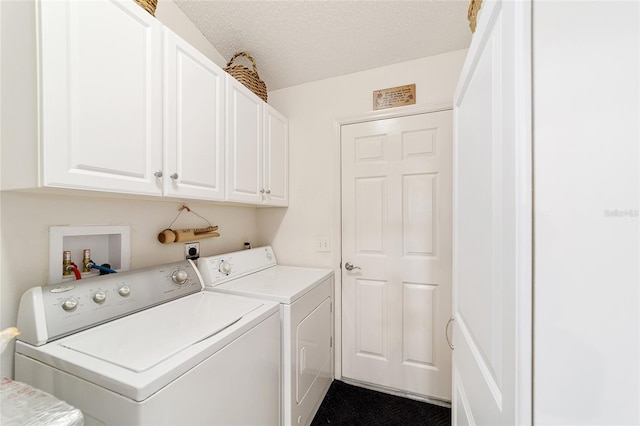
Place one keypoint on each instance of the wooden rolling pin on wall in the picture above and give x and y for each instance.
(169, 236)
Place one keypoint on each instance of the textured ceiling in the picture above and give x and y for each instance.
(298, 41)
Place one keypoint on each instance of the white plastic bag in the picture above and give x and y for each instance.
(25, 405)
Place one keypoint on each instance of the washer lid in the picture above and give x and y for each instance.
(140, 341)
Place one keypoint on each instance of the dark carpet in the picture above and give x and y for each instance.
(348, 405)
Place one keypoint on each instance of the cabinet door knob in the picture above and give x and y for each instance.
(174, 176)
(262, 191)
(158, 174)
(268, 191)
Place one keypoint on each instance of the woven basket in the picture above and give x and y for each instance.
(472, 13)
(148, 5)
(249, 78)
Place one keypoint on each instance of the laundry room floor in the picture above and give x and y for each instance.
(348, 405)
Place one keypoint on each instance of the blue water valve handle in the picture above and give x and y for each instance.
(103, 268)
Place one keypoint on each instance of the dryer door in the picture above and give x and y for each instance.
(313, 344)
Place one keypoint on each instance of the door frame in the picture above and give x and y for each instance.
(337, 201)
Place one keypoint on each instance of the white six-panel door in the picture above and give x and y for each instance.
(492, 224)
(396, 227)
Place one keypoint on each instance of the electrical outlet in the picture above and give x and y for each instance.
(191, 250)
(322, 244)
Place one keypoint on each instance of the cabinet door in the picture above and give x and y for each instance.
(101, 88)
(193, 155)
(275, 158)
(244, 143)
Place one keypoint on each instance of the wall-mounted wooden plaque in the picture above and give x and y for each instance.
(394, 97)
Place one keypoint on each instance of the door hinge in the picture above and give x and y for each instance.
(330, 342)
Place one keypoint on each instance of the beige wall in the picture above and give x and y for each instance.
(26, 218)
(586, 158)
(314, 110)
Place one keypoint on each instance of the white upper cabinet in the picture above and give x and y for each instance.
(257, 149)
(101, 105)
(193, 156)
(110, 100)
(244, 143)
(275, 168)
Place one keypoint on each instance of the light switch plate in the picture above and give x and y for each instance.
(322, 244)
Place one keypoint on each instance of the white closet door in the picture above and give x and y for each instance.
(492, 224)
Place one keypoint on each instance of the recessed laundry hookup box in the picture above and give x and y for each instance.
(107, 244)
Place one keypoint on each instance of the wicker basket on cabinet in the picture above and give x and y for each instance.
(249, 78)
(148, 5)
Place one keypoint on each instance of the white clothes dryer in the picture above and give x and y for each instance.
(149, 347)
(306, 307)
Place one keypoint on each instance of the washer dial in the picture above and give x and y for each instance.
(179, 276)
(70, 304)
(224, 267)
(100, 297)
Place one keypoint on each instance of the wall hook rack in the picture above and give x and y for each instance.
(168, 235)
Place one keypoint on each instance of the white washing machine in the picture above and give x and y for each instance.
(149, 347)
(305, 297)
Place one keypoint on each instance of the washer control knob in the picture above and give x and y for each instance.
(70, 304)
(100, 297)
(179, 276)
(124, 291)
(224, 267)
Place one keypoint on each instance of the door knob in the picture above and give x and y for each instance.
(349, 266)
(174, 176)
